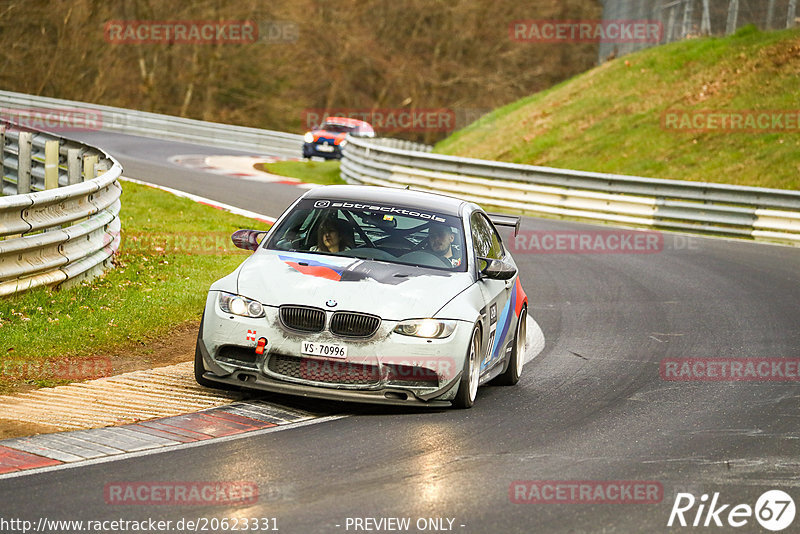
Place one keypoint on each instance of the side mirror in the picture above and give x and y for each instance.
(496, 269)
(248, 239)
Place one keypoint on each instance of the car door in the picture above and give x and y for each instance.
(496, 293)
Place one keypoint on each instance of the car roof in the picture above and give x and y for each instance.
(389, 195)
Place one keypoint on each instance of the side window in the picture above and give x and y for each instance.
(484, 238)
(293, 231)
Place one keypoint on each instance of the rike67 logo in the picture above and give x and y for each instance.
(774, 510)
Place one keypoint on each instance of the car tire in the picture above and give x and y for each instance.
(199, 368)
(511, 376)
(468, 385)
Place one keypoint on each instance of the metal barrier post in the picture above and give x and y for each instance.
(74, 166)
(24, 164)
(88, 168)
(51, 164)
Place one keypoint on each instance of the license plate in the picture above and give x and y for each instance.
(326, 350)
(325, 148)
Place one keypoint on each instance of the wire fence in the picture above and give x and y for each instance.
(681, 19)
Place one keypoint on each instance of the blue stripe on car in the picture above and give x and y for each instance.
(504, 322)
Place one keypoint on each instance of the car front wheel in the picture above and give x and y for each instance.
(514, 370)
(468, 386)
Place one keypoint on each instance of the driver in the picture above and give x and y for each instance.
(440, 243)
(331, 237)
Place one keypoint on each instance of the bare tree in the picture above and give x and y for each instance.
(363, 54)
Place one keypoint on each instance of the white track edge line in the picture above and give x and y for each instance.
(166, 448)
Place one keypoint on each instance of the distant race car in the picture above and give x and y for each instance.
(369, 294)
(328, 139)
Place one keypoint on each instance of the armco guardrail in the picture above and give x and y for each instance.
(771, 214)
(20, 107)
(59, 219)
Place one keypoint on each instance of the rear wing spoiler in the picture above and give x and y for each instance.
(505, 220)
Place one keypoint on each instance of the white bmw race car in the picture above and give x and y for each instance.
(369, 294)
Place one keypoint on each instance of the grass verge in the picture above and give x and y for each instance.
(612, 118)
(172, 250)
(312, 172)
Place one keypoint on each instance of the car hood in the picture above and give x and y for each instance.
(324, 135)
(391, 291)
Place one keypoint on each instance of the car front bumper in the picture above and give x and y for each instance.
(312, 149)
(386, 368)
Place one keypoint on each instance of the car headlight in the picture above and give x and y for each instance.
(308, 137)
(343, 143)
(427, 328)
(239, 305)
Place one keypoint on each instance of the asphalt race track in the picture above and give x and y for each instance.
(591, 407)
(148, 160)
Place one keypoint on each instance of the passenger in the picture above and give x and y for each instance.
(440, 243)
(331, 237)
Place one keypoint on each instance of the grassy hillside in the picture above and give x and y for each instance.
(609, 119)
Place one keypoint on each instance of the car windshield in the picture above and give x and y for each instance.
(387, 233)
(336, 128)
